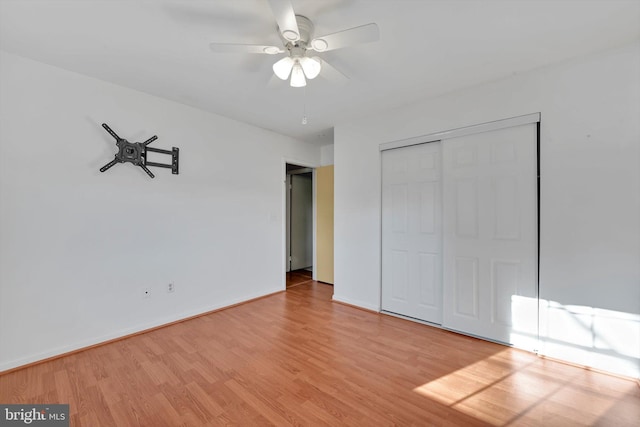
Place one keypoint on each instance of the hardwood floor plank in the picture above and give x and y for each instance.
(298, 277)
(298, 359)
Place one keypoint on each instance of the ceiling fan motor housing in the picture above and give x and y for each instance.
(305, 28)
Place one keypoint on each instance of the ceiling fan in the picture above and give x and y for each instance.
(296, 32)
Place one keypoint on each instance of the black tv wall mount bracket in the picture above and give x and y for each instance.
(136, 153)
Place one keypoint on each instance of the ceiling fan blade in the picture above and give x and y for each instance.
(244, 48)
(331, 73)
(286, 18)
(362, 34)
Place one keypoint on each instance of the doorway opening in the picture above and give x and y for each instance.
(299, 257)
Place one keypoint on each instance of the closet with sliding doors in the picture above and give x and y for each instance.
(460, 229)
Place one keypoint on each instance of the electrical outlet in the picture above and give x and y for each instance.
(146, 293)
(170, 288)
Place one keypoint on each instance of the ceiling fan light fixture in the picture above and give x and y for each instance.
(297, 76)
(283, 67)
(290, 35)
(319, 45)
(311, 66)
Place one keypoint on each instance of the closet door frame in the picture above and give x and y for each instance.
(533, 118)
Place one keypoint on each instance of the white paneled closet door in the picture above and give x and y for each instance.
(490, 235)
(412, 232)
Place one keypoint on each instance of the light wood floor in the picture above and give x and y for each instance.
(298, 277)
(296, 358)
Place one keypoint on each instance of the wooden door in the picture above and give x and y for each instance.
(324, 224)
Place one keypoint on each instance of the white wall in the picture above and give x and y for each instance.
(77, 247)
(326, 155)
(590, 201)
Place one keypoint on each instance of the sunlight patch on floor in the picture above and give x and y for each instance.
(512, 386)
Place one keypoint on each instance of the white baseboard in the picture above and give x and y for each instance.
(122, 333)
(356, 303)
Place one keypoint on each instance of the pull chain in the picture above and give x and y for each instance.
(304, 107)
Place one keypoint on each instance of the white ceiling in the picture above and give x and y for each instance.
(426, 48)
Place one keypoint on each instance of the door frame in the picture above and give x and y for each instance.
(533, 118)
(466, 130)
(283, 229)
